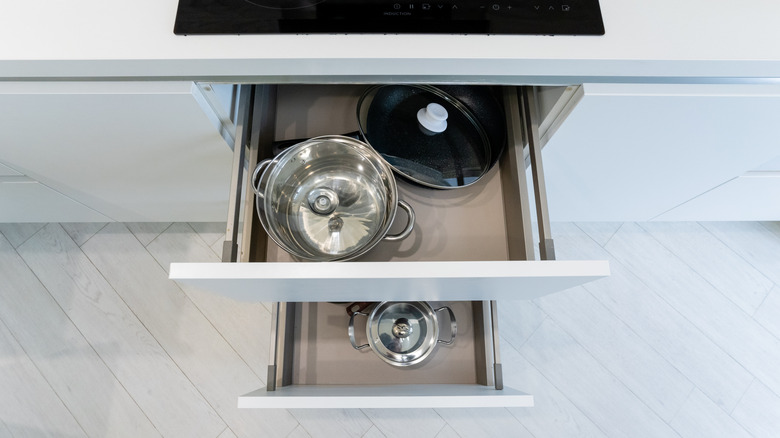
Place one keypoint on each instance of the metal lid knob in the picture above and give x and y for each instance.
(402, 328)
(323, 200)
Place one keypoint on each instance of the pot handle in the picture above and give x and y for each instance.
(453, 326)
(255, 184)
(351, 331)
(409, 225)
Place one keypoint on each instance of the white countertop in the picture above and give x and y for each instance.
(645, 41)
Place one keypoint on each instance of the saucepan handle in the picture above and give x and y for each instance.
(255, 183)
(351, 331)
(409, 224)
(453, 326)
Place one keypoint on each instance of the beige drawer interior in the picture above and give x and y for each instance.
(321, 354)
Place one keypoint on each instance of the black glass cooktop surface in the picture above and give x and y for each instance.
(520, 17)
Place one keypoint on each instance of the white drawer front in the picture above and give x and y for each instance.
(393, 281)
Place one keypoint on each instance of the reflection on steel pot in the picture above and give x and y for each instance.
(403, 333)
(329, 198)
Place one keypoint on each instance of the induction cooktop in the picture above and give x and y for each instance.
(513, 17)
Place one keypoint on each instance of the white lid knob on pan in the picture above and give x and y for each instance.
(433, 117)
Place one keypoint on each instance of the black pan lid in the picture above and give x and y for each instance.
(393, 118)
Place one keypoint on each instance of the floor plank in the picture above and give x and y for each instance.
(759, 412)
(333, 422)
(245, 325)
(553, 413)
(690, 294)
(145, 232)
(680, 342)
(446, 432)
(518, 320)
(217, 247)
(80, 232)
(700, 417)
(63, 356)
(601, 232)
(712, 259)
(188, 337)
(17, 234)
(483, 422)
(592, 388)
(144, 369)
(768, 314)
(28, 405)
(396, 423)
(227, 433)
(299, 432)
(210, 232)
(754, 242)
(619, 349)
(5, 432)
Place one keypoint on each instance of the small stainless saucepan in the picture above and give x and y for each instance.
(402, 333)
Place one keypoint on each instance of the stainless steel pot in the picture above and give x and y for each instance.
(328, 198)
(402, 333)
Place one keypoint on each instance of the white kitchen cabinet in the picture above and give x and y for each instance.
(131, 151)
(467, 250)
(749, 197)
(23, 199)
(7, 171)
(635, 151)
(754, 195)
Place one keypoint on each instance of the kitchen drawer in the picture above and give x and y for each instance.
(468, 244)
(470, 247)
(318, 368)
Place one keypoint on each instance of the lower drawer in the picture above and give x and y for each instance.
(315, 359)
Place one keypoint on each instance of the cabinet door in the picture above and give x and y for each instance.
(633, 152)
(23, 199)
(133, 151)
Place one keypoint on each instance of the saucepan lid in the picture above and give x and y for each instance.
(425, 135)
(403, 332)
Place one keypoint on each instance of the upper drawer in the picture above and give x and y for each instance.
(468, 244)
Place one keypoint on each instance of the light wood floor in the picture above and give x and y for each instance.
(682, 340)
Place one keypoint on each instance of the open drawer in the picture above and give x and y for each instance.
(470, 247)
(317, 367)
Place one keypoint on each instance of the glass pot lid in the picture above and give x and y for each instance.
(403, 333)
(425, 135)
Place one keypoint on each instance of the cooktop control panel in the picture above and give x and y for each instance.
(520, 17)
